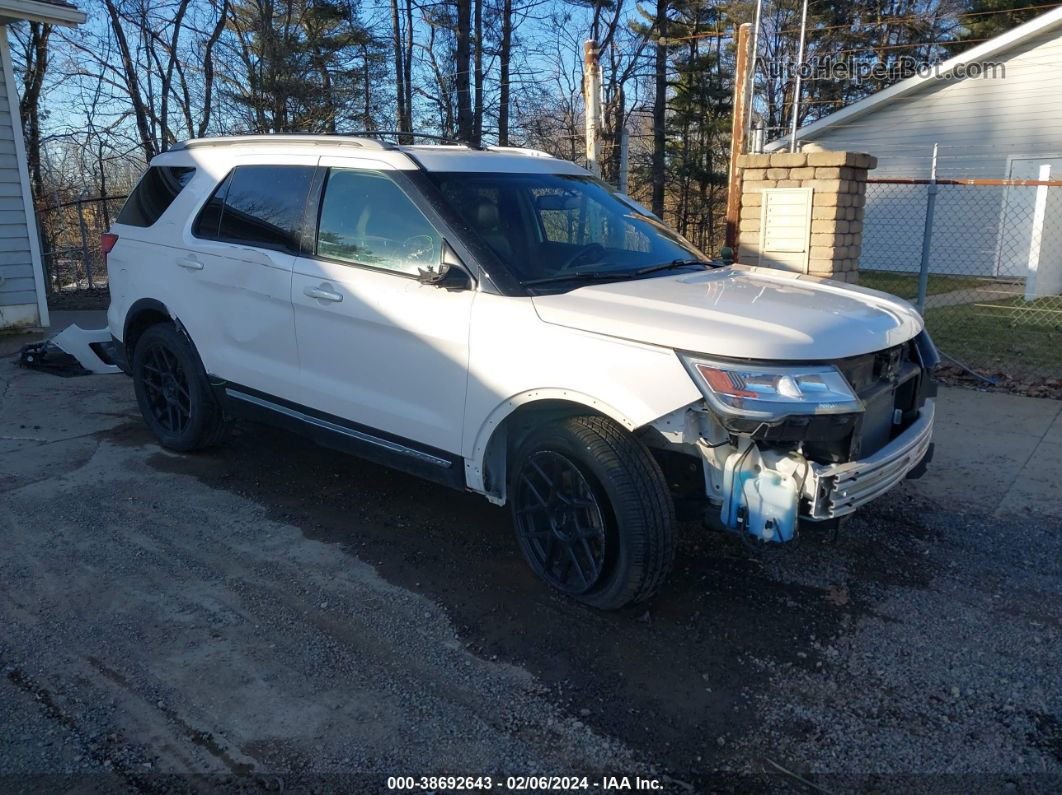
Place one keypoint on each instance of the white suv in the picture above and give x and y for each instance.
(502, 322)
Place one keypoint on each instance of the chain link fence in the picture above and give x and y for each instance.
(982, 259)
(70, 236)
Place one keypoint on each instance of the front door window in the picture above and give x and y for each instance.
(367, 220)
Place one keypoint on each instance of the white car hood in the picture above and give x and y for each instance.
(739, 311)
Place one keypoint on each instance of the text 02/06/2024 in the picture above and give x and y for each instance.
(533, 783)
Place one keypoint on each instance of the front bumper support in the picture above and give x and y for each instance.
(835, 490)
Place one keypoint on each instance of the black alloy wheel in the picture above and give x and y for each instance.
(172, 391)
(591, 511)
(560, 523)
(166, 388)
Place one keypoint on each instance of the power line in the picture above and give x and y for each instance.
(912, 44)
(887, 21)
(927, 17)
(706, 35)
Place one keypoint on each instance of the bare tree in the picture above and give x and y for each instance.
(149, 72)
(34, 47)
(505, 55)
(463, 54)
(401, 71)
(477, 105)
(658, 173)
(131, 75)
(407, 77)
(208, 69)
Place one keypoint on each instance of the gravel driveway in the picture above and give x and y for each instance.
(273, 613)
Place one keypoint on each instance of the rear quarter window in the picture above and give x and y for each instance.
(259, 205)
(156, 191)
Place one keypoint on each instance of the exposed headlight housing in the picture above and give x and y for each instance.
(772, 392)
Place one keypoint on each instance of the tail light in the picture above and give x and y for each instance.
(107, 241)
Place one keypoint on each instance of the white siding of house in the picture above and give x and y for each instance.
(977, 124)
(19, 284)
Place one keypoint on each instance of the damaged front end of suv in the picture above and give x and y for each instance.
(774, 446)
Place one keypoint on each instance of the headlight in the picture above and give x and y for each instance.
(771, 392)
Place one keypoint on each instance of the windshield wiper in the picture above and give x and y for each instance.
(675, 263)
(585, 276)
(600, 276)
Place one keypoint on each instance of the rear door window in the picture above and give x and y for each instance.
(156, 191)
(257, 206)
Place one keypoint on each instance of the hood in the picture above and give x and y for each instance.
(740, 312)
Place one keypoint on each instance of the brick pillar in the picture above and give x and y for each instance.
(838, 183)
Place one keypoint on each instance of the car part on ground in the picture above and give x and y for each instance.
(50, 359)
(73, 351)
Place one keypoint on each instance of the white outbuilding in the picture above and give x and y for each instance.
(23, 299)
(992, 114)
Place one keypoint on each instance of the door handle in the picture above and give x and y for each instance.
(322, 294)
(190, 263)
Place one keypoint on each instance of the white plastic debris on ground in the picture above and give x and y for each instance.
(78, 343)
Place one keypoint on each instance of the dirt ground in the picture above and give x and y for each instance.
(272, 615)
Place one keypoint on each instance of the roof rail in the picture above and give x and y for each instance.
(283, 138)
(430, 136)
(521, 150)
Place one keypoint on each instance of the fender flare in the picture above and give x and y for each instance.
(153, 305)
(138, 307)
(476, 462)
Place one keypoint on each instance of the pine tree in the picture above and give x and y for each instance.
(305, 62)
(998, 16)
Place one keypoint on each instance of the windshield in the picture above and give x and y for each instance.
(557, 228)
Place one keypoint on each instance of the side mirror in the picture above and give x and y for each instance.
(450, 275)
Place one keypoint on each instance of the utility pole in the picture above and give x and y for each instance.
(751, 90)
(796, 86)
(738, 125)
(592, 104)
(624, 161)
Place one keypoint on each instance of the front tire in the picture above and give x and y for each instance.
(173, 393)
(592, 512)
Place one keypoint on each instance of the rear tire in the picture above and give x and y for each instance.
(173, 393)
(592, 512)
